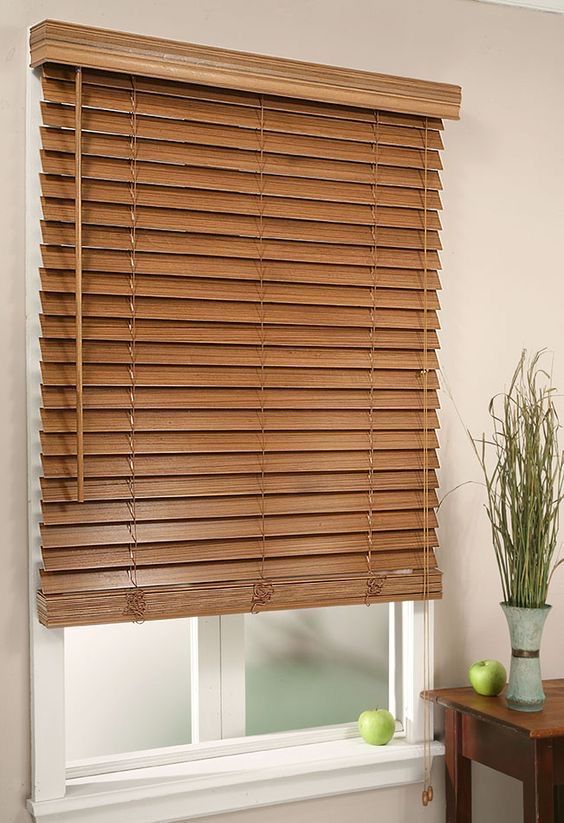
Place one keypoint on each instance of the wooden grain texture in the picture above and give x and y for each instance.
(192, 443)
(223, 528)
(164, 296)
(274, 420)
(218, 147)
(458, 784)
(60, 514)
(103, 191)
(175, 219)
(285, 358)
(497, 747)
(401, 248)
(399, 187)
(58, 490)
(204, 166)
(55, 351)
(228, 312)
(230, 572)
(240, 463)
(82, 608)
(538, 789)
(547, 723)
(196, 91)
(308, 399)
(236, 377)
(188, 551)
(61, 327)
(57, 260)
(211, 123)
(180, 101)
(72, 44)
(526, 746)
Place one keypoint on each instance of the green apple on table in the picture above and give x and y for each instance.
(377, 726)
(487, 677)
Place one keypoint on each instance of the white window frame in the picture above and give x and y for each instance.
(210, 775)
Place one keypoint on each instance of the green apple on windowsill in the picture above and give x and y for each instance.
(487, 677)
(377, 726)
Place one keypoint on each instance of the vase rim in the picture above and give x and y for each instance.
(545, 607)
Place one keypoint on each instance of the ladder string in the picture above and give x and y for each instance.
(78, 286)
(374, 583)
(135, 600)
(263, 590)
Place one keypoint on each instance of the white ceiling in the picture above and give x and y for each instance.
(541, 5)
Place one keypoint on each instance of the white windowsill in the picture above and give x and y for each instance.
(184, 791)
(556, 6)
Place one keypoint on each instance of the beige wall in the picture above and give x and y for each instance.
(503, 278)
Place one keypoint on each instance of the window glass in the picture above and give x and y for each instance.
(127, 687)
(314, 667)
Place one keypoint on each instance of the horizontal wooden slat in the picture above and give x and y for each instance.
(208, 146)
(60, 397)
(253, 99)
(180, 552)
(220, 202)
(235, 377)
(59, 260)
(240, 463)
(110, 607)
(173, 220)
(398, 247)
(113, 328)
(57, 490)
(405, 185)
(107, 136)
(280, 149)
(147, 421)
(219, 442)
(289, 124)
(169, 354)
(67, 514)
(178, 288)
(106, 306)
(239, 571)
(275, 525)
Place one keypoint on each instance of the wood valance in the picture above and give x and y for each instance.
(53, 41)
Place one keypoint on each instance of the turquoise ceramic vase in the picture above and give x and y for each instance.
(525, 692)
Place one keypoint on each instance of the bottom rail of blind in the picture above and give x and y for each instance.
(89, 608)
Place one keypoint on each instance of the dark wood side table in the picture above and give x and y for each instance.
(528, 746)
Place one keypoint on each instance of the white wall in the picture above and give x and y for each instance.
(503, 278)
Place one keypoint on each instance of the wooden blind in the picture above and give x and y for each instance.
(239, 335)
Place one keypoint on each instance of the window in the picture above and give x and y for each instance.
(239, 697)
(128, 688)
(191, 701)
(314, 667)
